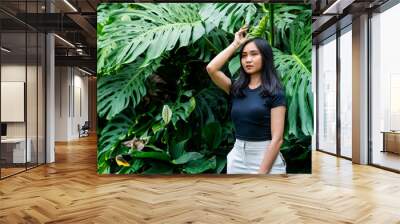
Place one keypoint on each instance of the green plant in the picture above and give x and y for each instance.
(159, 112)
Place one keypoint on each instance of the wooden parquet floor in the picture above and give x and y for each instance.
(70, 191)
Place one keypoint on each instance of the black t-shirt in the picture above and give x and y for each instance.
(251, 114)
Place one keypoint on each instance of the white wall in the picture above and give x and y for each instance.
(61, 103)
(70, 83)
(33, 127)
(16, 72)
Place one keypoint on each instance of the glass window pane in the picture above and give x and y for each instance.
(385, 86)
(346, 94)
(14, 153)
(327, 96)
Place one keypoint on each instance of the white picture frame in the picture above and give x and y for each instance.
(12, 101)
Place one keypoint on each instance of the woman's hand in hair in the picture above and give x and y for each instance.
(214, 67)
(241, 36)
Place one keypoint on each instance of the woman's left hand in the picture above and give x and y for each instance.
(241, 36)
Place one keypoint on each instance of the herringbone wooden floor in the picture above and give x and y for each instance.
(70, 191)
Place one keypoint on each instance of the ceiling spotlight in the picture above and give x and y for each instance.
(84, 71)
(70, 5)
(5, 50)
(337, 7)
(64, 40)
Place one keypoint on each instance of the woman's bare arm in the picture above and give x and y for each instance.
(213, 68)
(277, 129)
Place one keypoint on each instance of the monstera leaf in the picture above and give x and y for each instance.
(295, 69)
(115, 92)
(149, 29)
(228, 17)
(194, 131)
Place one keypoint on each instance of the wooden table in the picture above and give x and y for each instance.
(391, 141)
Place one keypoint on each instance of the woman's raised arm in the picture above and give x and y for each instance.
(213, 68)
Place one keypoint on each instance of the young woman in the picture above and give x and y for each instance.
(258, 106)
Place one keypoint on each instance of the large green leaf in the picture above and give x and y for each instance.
(188, 156)
(295, 69)
(297, 81)
(200, 165)
(159, 155)
(210, 44)
(304, 107)
(285, 15)
(261, 29)
(177, 149)
(159, 168)
(234, 65)
(115, 92)
(147, 28)
(212, 133)
(227, 16)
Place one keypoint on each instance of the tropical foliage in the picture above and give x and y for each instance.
(159, 112)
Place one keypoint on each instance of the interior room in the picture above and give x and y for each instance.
(49, 145)
(22, 99)
(385, 87)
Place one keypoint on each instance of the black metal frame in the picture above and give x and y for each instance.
(338, 98)
(369, 114)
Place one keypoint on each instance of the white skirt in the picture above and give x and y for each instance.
(246, 157)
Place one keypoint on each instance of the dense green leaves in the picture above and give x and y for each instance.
(153, 87)
(212, 134)
(200, 165)
(110, 137)
(149, 29)
(115, 92)
(187, 157)
(295, 69)
(228, 17)
(151, 155)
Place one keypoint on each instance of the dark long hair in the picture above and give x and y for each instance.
(270, 82)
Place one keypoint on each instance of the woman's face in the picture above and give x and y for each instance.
(251, 59)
